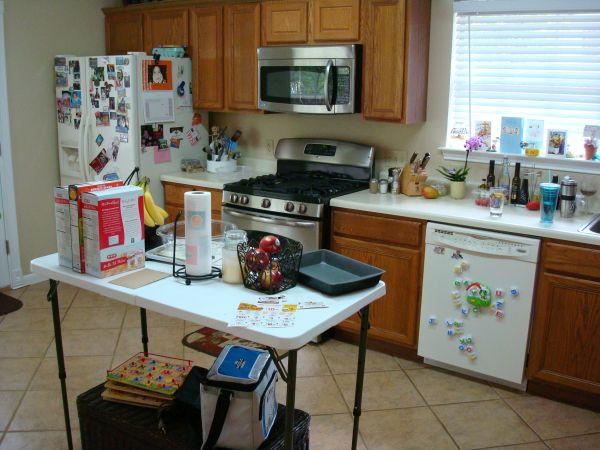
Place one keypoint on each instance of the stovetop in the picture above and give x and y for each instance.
(308, 187)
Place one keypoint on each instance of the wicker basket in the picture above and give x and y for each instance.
(269, 273)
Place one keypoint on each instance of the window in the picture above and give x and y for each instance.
(526, 77)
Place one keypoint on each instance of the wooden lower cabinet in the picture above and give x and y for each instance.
(564, 358)
(174, 199)
(395, 317)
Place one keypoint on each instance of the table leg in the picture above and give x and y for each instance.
(360, 373)
(290, 399)
(60, 357)
(144, 323)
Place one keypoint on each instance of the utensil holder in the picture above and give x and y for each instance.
(228, 165)
(412, 183)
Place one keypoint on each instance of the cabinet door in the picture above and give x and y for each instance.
(384, 59)
(242, 38)
(165, 27)
(284, 22)
(395, 317)
(565, 340)
(206, 49)
(123, 33)
(335, 20)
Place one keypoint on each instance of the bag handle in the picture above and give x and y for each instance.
(218, 421)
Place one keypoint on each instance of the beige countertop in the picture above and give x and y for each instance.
(207, 179)
(465, 213)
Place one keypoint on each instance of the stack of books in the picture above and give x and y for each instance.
(146, 380)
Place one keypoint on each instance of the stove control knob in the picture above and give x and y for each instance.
(266, 203)
(244, 200)
(289, 206)
(233, 198)
(302, 208)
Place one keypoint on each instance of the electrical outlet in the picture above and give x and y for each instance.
(270, 146)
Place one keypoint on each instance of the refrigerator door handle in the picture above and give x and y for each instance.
(86, 152)
(82, 146)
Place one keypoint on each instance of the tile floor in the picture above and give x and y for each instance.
(406, 405)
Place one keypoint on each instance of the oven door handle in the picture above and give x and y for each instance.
(326, 84)
(289, 223)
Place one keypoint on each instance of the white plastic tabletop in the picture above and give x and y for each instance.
(213, 303)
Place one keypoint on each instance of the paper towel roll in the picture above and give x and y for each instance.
(198, 230)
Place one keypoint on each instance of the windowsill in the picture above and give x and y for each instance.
(539, 162)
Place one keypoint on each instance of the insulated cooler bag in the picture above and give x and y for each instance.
(238, 400)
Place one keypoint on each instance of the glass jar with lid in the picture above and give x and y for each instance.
(231, 267)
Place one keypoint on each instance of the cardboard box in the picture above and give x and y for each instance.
(75, 209)
(113, 230)
(63, 226)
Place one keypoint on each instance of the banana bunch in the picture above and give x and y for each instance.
(154, 215)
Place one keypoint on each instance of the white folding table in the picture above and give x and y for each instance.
(213, 303)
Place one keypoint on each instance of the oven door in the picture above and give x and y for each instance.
(316, 86)
(308, 232)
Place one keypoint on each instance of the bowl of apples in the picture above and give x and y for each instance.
(269, 262)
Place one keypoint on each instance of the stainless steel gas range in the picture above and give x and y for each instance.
(294, 202)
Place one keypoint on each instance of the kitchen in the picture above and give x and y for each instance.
(389, 230)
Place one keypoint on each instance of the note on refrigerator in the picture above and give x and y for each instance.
(158, 107)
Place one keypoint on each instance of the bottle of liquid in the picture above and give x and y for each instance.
(504, 181)
(516, 185)
(524, 193)
(491, 177)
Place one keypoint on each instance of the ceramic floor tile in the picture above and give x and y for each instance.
(24, 344)
(15, 373)
(506, 392)
(315, 395)
(132, 319)
(552, 419)
(43, 411)
(586, 442)
(530, 446)
(399, 429)
(408, 364)
(507, 427)
(94, 318)
(29, 319)
(87, 343)
(9, 400)
(310, 362)
(343, 358)
(198, 358)
(88, 299)
(438, 387)
(83, 372)
(36, 440)
(14, 293)
(34, 295)
(162, 340)
(333, 432)
(381, 390)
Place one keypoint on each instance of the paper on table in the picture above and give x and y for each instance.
(158, 107)
(268, 315)
(140, 278)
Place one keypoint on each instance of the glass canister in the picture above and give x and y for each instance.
(231, 266)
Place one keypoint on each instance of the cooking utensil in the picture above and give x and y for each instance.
(413, 157)
(425, 160)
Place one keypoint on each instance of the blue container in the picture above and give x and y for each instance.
(549, 194)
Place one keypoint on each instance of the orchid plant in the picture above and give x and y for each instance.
(472, 144)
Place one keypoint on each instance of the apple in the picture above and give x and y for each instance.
(430, 192)
(256, 259)
(533, 206)
(270, 244)
(271, 279)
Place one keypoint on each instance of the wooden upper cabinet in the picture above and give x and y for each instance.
(396, 41)
(165, 26)
(206, 50)
(335, 20)
(123, 32)
(284, 22)
(242, 38)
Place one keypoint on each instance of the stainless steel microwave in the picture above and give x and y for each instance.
(309, 79)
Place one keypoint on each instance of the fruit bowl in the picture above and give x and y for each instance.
(269, 262)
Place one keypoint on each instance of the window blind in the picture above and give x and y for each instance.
(542, 66)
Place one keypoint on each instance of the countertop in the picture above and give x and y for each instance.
(514, 220)
(207, 179)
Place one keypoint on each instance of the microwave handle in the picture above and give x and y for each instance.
(326, 84)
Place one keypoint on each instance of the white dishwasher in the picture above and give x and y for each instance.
(476, 301)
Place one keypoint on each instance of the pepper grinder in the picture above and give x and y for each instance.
(568, 201)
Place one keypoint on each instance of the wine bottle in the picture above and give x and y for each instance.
(516, 185)
(524, 193)
(504, 181)
(491, 177)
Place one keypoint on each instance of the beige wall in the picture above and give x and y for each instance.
(35, 31)
(392, 141)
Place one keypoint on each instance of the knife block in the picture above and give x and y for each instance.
(412, 183)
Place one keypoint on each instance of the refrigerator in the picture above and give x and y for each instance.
(115, 113)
